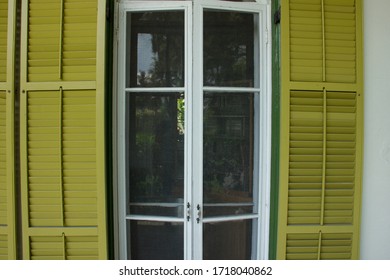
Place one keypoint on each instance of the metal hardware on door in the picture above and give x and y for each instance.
(198, 214)
(188, 211)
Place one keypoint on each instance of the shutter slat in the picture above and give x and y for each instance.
(77, 153)
(7, 166)
(3, 39)
(3, 162)
(305, 246)
(309, 60)
(44, 38)
(79, 41)
(305, 41)
(3, 247)
(306, 150)
(78, 28)
(340, 37)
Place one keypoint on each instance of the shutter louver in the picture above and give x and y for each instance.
(321, 116)
(62, 103)
(3, 247)
(82, 248)
(341, 158)
(44, 40)
(79, 158)
(340, 41)
(44, 152)
(306, 40)
(7, 184)
(79, 43)
(46, 248)
(62, 158)
(3, 160)
(306, 158)
(331, 246)
(3, 39)
(62, 40)
(322, 41)
(64, 248)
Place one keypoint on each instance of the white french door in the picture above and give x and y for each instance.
(193, 122)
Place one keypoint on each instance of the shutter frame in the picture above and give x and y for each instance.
(335, 208)
(52, 108)
(7, 90)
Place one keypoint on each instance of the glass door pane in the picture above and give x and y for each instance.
(155, 134)
(156, 54)
(156, 153)
(156, 240)
(231, 240)
(228, 49)
(230, 134)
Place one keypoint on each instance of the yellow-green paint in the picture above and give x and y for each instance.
(101, 132)
(63, 130)
(7, 90)
(321, 129)
(61, 43)
(62, 40)
(3, 39)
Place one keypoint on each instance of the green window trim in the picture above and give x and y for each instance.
(275, 132)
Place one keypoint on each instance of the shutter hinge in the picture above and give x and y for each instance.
(277, 16)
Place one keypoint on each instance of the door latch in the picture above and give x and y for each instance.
(188, 211)
(198, 213)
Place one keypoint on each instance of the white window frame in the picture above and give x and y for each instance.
(194, 130)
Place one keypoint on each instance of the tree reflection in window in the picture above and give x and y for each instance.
(156, 46)
(228, 49)
(228, 147)
(156, 150)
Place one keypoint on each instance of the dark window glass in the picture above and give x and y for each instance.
(155, 240)
(228, 150)
(228, 44)
(230, 240)
(155, 42)
(156, 152)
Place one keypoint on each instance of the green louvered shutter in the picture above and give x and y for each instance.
(62, 129)
(7, 185)
(321, 130)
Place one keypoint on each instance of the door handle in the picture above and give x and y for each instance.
(199, 213)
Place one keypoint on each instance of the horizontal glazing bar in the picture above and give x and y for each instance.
(159, 89)
(231, 89)
(154, 218)
(228, 204)
(230, 218)
(156, 204)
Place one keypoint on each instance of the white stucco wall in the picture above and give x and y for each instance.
(375, 226)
